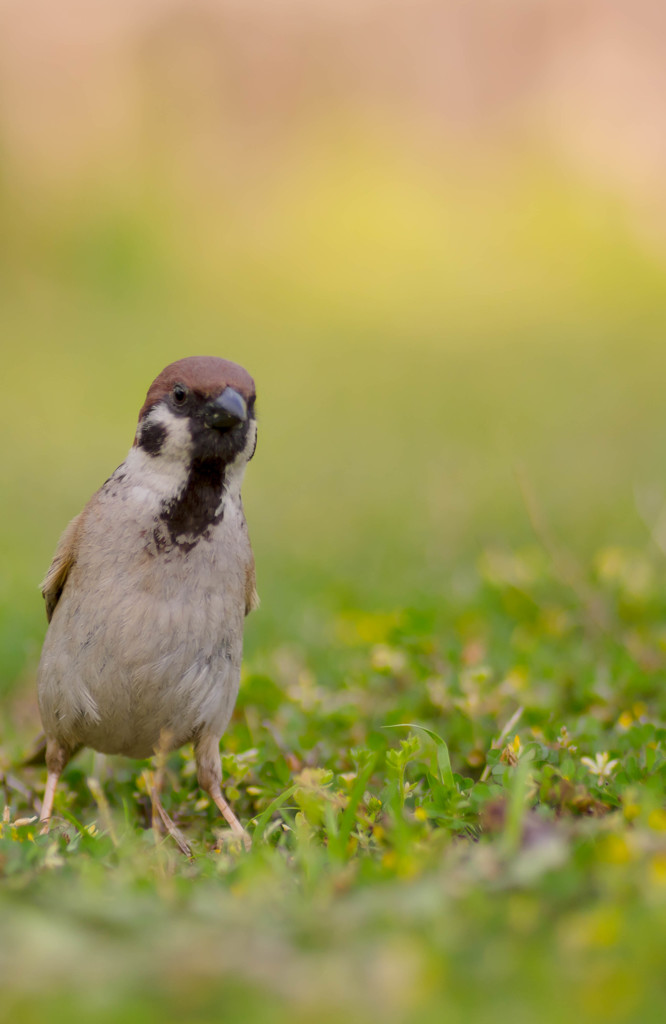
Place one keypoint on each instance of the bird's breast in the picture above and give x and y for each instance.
(145, 645)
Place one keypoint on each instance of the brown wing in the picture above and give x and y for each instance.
(63, 560)
(251, 595)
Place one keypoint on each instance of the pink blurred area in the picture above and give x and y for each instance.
(218, 93)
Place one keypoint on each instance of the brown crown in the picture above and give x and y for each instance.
(207, 375)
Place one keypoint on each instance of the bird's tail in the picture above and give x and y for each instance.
(37, 755)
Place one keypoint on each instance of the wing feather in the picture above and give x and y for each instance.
(251, 595)
(63, 560)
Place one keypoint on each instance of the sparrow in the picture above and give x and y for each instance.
(150, 584)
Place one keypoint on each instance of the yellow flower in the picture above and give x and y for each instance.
(614, 849)
(631, 810)
(658, 869)
(390, 859)
(657, 820)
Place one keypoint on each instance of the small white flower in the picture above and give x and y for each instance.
(385, 657)
(601, 765)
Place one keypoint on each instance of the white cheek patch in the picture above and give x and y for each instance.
(165, 472)
(177, 443)
(159, 477)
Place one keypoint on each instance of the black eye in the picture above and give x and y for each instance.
(179, 394)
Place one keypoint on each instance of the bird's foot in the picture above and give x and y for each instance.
(233, 840)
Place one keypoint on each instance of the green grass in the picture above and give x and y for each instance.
(456, 507)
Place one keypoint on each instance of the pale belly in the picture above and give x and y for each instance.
(143, 675)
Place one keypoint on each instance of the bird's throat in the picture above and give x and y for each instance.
(200, 506)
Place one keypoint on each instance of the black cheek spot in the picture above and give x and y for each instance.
(152, 438)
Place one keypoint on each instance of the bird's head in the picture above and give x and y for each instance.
(200, 408)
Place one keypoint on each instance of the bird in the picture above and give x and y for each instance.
(149, 587)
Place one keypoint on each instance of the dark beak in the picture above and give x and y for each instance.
(226, 411)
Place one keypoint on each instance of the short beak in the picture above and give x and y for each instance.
(226, 411)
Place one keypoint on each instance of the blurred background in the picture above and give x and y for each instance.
(435, 232)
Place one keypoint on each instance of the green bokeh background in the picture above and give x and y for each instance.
(456, 323)
(425, 349)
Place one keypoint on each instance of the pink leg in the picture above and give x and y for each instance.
(57, 757)
(160, 817)
(159, 814)
(209, 774)
(47, 802)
